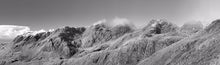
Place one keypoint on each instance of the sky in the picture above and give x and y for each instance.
(51, 14)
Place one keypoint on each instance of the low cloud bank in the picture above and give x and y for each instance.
(11, 31)
(115, 22)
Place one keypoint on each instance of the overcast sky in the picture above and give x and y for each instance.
(50, 14)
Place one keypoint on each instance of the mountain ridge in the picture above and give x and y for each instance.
(160, 42)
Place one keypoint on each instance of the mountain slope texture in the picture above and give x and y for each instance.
(158, 43)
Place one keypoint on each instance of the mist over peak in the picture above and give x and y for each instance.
(115, 22)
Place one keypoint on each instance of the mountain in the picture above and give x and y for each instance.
(160, 42)
(201, 48)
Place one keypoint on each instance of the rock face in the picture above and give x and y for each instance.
(158, 43)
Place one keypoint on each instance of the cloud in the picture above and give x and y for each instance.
(115, 22)
(100, 22)
(11, 31)
(36, 32)
(120, 21)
